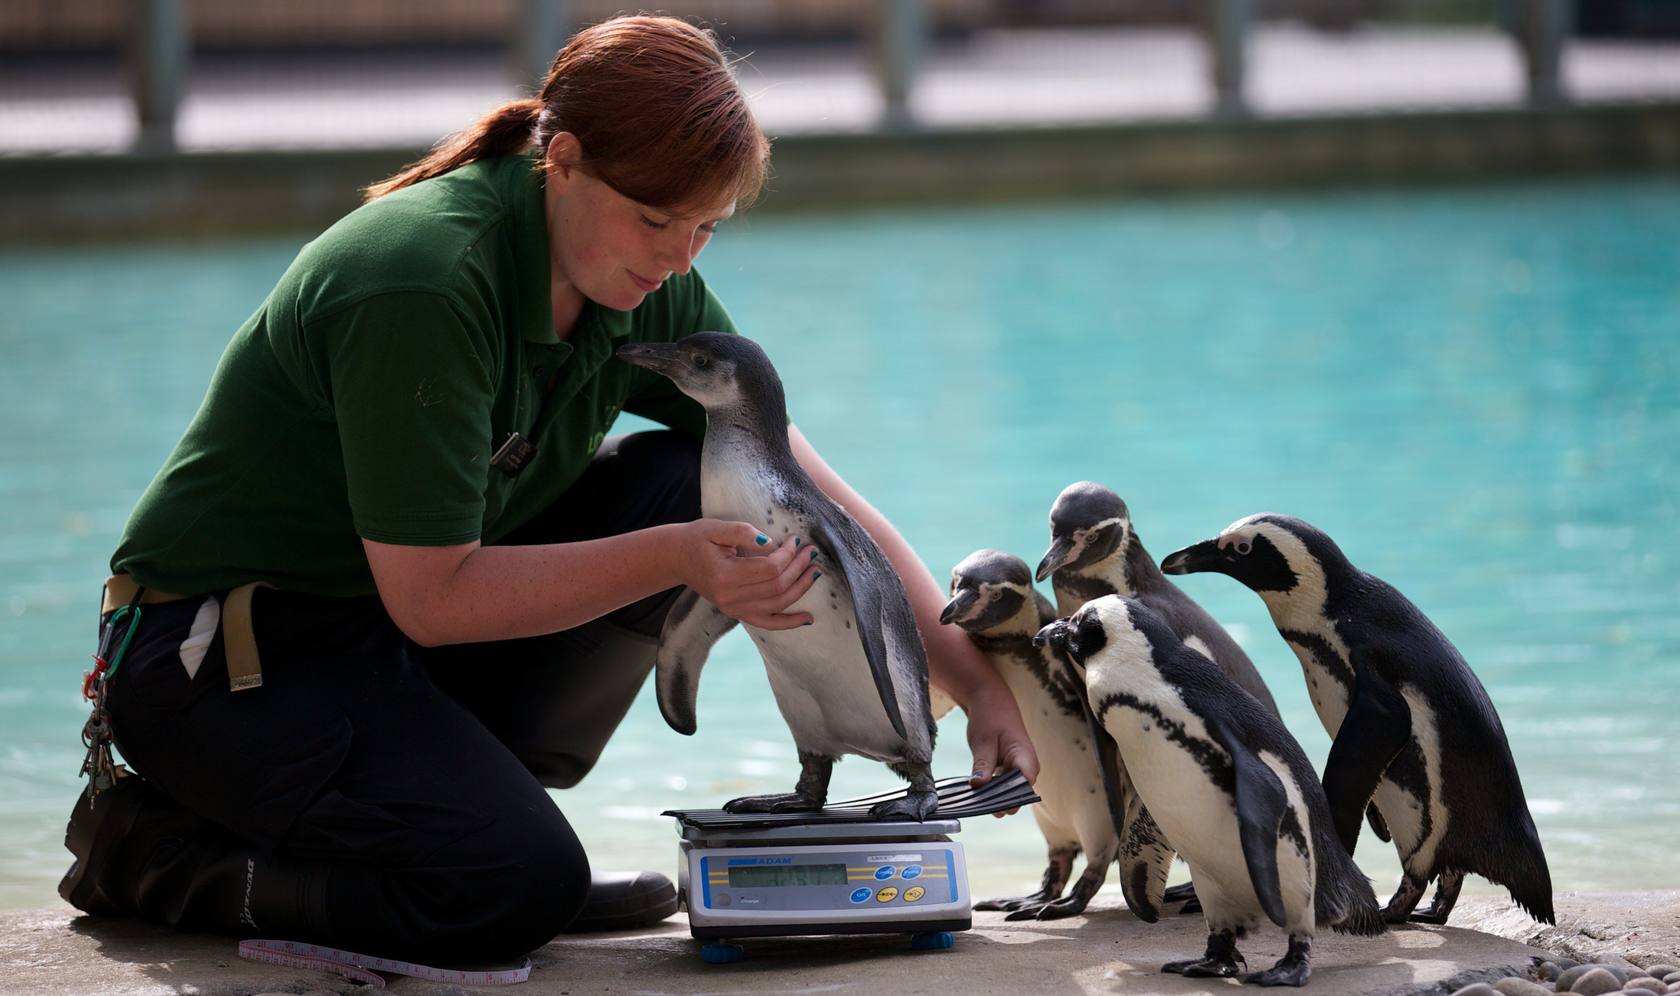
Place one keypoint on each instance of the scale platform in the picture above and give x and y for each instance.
(834, 871)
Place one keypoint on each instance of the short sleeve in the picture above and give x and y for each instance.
(655, 397)
(411, 392)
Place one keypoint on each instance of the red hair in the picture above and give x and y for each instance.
(654, 105)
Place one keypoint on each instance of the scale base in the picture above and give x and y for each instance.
(724, 952)
(822, 929)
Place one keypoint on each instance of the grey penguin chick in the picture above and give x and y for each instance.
(855, 681)
(1412, 728)
(1095, 551)
(994, 601)
(1231, 788)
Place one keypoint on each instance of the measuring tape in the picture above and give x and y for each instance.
(363, 967)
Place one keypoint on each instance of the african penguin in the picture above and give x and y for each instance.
(1095, 551)
(994, 601)
(853, 682)
(1228, 784)
(1412, 728)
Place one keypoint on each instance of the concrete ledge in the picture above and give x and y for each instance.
(52, 199)
(1107, 950)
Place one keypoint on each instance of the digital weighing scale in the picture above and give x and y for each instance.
(834, 871)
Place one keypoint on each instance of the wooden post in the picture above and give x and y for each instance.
(1542, 26)
(900, 44)
(1227, 36)
(157, 65)
(538, 32)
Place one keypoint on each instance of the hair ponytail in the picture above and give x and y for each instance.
(505, 131)
(655, 108)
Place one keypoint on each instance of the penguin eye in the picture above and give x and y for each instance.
(1243, 546)
(702, 360)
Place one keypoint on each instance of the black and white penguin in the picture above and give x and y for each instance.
(1412, 728)
(1095, 551)
(994, 601)
(855, 681)
(1228, 784)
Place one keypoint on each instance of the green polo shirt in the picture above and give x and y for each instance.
(367, 394)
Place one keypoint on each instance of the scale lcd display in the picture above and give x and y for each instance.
(761, 876)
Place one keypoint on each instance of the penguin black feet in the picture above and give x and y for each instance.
(1293, 969)
(1056, 872)
(1074, 902)
(807, 796)
(1446, 897)
(1220, 961)
(918, 805)
(785, 802)
(1056, 909)
(1180, 893)
(1405, 899)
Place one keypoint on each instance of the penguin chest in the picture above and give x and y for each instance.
(819, 674)
(1070, 777)
(1328, 675)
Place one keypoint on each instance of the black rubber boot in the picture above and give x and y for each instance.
(624, 901)
(93, 835)
(140, 853)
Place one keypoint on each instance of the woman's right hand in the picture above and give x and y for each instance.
(749, 586)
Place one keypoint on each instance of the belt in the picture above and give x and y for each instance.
(239, 640)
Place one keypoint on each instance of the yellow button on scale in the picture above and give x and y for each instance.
(886, 895)
(913, 893)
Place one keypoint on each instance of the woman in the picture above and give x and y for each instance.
(393, 580)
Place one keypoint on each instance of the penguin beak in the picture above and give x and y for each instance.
(1203, 556)
(958, 606)
(1055, 557)
(660, 357)
(1055, 635)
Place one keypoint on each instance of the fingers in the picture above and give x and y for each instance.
(767, 610)
(736, 534)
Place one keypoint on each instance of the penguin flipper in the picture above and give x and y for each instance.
(691, 627)
(871, 605)
(1378, 725)
(1261, 802)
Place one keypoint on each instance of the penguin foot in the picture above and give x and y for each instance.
(1430, 914)
(1293, 969)
(1192, 907)
(1281, 974)
(1180, 893)
(785, 802)
(1206, 968)
(1007, 904)
(916, 806)
(1059, 909)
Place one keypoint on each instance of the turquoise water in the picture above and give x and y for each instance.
(1475, 390)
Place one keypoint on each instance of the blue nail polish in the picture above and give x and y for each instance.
(813, 553)
(815, 575)
(763, 539)
(796, 541)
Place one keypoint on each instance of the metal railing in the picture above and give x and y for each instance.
(159, 54)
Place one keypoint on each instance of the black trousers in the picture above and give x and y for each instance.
(379, 796)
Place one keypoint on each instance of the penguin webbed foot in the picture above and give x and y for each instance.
(915, 806)
(1206, 968)
(1293, 969)
(1009, 904)
(784, 802)
(1056, 909)
(1180, 893)
(1429, 914)
(1190, 908)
